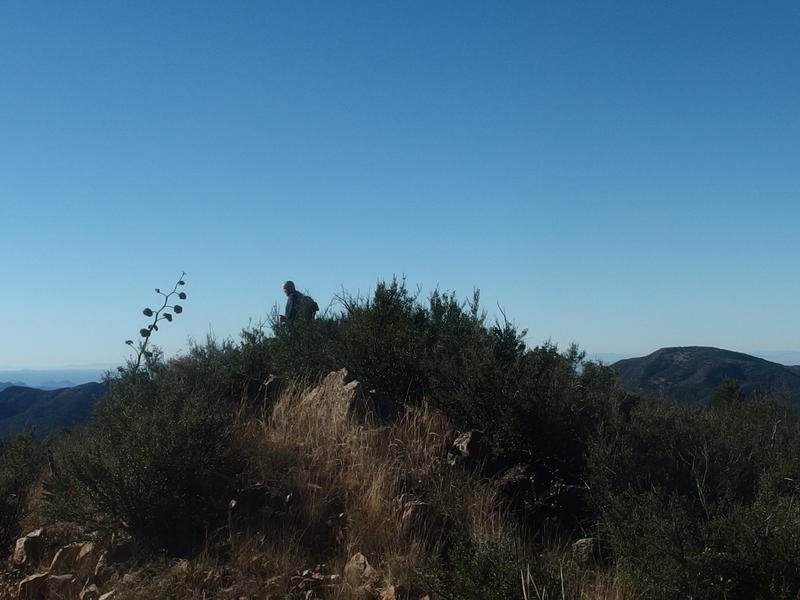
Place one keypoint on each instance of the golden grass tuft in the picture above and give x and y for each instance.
(384, 490)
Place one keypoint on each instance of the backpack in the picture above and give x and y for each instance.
(306, 307)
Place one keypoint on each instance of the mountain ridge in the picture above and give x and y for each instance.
(689, 374)
(46, 411)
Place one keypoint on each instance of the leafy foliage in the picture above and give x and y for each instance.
(20, 463)
(157, 459)
(702, 503)
(477, 571)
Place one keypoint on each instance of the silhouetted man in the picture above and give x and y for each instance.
(297, 305)
(292, 301)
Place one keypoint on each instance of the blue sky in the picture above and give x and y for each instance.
(622, 175)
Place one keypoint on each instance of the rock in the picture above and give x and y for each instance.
(389, 593)
(467, 449)
(104, 571)
(353, 398)
(344, 396)
(65, 559)
(182, 566)
(358, 573)
(90, 592)
(33, 587)
(62, 587)
(420, 520)
(256, 499)
(400, 592)
(516, 485)
(110, 561)
(28, 548)
(415, 515)
(120, 552)
(590, 550)
(86, 560)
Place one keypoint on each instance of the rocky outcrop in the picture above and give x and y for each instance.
(468, 449)
(33, 587)
(64, 587)
(515, 485)
(344, 396)
(28, 549)
(256, 500)
(360, 576)
(587, 551)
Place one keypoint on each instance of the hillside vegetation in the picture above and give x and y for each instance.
(338, 478)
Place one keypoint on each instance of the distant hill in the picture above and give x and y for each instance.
(8, 384)
(51, 379)
(46, 410)
(689, 374)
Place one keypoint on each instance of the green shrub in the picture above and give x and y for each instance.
(477, 571)
(535, 406)
(156, 460)
(702, 503)
(20, 464)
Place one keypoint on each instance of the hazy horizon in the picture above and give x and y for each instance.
(784, 357)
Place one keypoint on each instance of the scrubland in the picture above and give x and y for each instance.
(340, 480)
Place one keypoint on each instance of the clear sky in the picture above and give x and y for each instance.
(624, 175)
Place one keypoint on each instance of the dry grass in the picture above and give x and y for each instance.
(571, 583)
(384, 490)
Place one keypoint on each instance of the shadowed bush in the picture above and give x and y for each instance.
(534, 405)
(21, 460)
(156, 460)
(703, 503)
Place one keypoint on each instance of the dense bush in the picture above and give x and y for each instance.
(702, 503)
(533, 404)
(20, 463)
(477, 571)
(157, 458)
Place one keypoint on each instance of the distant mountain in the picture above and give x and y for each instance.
(8, 384)
(46, 410)
(50, 379)
(607, 357)
(689, 374)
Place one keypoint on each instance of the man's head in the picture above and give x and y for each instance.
(288, 287)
